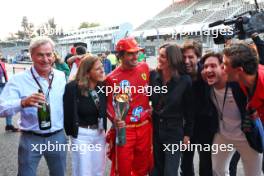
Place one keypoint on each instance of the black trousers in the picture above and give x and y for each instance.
(166, 163)
(205, 160)
(233, 164)
(205, 163)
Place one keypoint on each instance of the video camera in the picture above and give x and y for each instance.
(243, 25)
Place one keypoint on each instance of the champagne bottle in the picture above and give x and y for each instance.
(44, 115)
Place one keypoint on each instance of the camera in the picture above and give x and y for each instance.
(243, 25)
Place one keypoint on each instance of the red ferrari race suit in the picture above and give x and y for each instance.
(135, 157)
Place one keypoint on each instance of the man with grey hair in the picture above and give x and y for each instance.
(23, 94)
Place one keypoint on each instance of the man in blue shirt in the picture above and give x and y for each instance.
(106, 63)
(21, 95)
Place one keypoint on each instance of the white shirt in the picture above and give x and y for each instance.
(230, 125)
(23, 85)
(73, 72)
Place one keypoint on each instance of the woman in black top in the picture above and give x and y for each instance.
(85, 118)
(172, 111)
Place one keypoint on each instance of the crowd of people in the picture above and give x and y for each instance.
(213, 100)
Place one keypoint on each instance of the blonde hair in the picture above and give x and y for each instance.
(85, 67)
(57, 58)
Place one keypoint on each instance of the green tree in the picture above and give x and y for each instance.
(21, 34)
(27, 31)
(49, 29)
(11, 37)
(51, 23)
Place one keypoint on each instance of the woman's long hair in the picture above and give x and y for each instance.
(57, 58)
(85, 67)
(175, 59)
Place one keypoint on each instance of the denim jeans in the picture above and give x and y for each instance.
(29, 157)
(165, 162)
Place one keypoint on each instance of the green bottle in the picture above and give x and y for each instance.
(44, 115)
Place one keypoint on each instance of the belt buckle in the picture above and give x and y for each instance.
(47, 134)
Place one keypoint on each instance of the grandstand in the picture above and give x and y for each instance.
(199, 17)
(189, 17)
(221, 14)
(183, 19)
(98, 39)
(176, 8)
(13, 50)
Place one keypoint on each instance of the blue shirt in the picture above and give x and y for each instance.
(23, 85)
(107, 66)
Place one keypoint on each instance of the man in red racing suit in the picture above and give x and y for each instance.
(135, 157)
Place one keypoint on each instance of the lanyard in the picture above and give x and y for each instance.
(95, 98)
(40, 87)
(218, 105)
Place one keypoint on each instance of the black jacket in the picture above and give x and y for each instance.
(172, 112)
(205, 118)
(70, 99)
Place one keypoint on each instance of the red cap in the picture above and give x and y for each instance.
(127, 44)
(73, 50)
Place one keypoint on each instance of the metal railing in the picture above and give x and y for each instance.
(18, 68)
